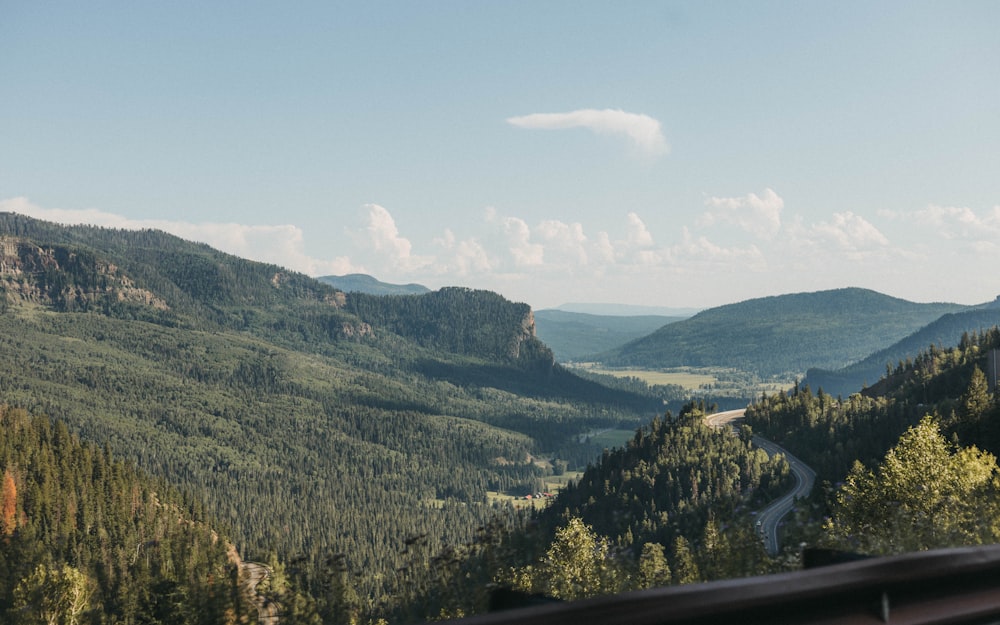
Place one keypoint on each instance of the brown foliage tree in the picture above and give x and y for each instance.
(8, 504)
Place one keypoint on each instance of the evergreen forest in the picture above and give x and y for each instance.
(311, 426)
(170, 412)
(85, 538)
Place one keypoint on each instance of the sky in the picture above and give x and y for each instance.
(681, 154)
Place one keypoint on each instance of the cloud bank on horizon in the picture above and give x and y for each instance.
(743, 241)
(671, 154)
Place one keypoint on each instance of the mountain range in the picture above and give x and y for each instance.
(575, 335)
(354, 435)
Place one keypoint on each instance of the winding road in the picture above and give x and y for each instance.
(253, 573)
(770, 517)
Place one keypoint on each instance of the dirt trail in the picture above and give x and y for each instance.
(252, 574)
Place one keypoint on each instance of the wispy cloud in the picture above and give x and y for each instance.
(644, 132)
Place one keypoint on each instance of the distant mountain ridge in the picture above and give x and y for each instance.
(626, 310)
(784, 334)
(946, 331)
(363, 283)
(574, 335)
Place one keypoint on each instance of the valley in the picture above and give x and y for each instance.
(376, 452)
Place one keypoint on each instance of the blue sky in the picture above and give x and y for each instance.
(653, 153)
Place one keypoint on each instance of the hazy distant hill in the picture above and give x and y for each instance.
(626, 310)
(783, 334)
(573, 335)
(363, 283)
(943, 332)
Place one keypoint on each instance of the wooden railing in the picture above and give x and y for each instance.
(960, 585)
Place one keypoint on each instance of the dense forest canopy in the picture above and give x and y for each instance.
(85, 538)
(312, 423)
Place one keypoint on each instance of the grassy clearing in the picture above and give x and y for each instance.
(553, 484)
(689, 378)
(717, 381)
(611, 438)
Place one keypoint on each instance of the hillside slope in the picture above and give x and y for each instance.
(84, 534)
(946, 331)
(311, 422)
(785, 334)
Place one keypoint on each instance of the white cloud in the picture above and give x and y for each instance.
(525, 253)
(393, 250)
(850, 231)
(463, 258)
(637, 233)
(277, 244)
(960, 222)
(758, 215)
(643, 131)
(701, 250)
(558, 247)
(604, 250)
(548, 260)
(564, 243)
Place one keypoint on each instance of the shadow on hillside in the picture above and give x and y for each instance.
(553, 382)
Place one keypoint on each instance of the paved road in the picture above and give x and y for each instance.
(254, 573)
(770, 517)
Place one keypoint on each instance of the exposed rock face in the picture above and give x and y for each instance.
(357, 330)
(527, 333)
(337, 299)
(60, 277)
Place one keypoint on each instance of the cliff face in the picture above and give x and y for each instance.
(458, 320)
(64, 278)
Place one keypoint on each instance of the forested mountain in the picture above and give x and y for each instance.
(313, 423)
(947, 330)
(572, 336)
(785, 334)
(830, 434)
(88, 539)
(363, 283)
(908, 465)
(672, 479)
(673, 506)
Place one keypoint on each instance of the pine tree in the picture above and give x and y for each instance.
(685, 568)
(976, 399)
(654, 570)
